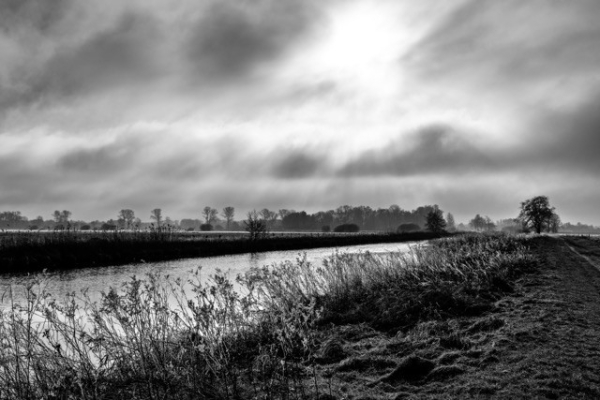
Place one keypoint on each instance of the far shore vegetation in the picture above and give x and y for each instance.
(23, 252)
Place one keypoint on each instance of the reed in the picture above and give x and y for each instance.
(23, 252)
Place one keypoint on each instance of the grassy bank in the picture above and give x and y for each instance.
(32, 251)
(273, 342)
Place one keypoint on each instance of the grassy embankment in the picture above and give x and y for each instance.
(23, 252)
(276, 341)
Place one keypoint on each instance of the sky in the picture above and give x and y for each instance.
(473, 105)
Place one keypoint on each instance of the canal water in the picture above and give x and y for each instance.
(100, 279)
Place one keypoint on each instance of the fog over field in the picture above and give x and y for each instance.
(473, 105)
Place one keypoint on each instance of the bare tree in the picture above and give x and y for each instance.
(256, 227)
(284, 213)
(210, 214)
(156, 215)
(268, 216)
(554, 223)
(127, 217)
(228, 213)
(478, 223)
(62, 217)
(451, 225)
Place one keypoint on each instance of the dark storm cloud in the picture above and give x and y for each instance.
(298, 164)
(133, 47)
(432, 149)
(120, 55)
(568, 139)
(41, 15)
(511, 42)
(101, 160)
(232, 38)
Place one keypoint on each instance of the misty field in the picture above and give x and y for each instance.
(22, 252)
(275, 339)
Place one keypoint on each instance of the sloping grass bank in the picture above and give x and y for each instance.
(267, 343)
(28, 252)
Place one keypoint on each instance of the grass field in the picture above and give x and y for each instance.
(288, 335)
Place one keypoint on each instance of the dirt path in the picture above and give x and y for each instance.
(541, 341)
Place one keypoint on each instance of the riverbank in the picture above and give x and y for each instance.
(30, 252)
(358, 327)
(539, 340)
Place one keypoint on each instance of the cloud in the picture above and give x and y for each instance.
(298, 164)
(568, 139)
(234, 39)
(511, 45)
(120, 55)
(42, 15)
(434, 149)
(65, 61)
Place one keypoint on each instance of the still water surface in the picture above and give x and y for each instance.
(97, 280)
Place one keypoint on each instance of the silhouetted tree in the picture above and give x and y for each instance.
(61, 217)
(536, 213)
(284, 213)
(228, 214)
(435, 220)
(489, 224)
(269, 217)
(450, 224)
(343, 214)
(126, 218)
(209, 214)
(256, 227)
(478, 223)
(156, 215)
(554, 223)
(13, 219)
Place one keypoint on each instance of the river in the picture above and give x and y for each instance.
(100, 279)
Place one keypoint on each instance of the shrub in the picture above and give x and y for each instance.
(85, 228)
(108, 227)
(347, 228)
(326, 228)
(206, 227)
(403, 228)
(190, 229)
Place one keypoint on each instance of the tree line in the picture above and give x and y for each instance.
(363, 217)
(535, 214)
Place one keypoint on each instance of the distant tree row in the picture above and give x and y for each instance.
(536, 215)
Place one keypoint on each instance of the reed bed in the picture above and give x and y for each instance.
(259, 342)
(22, 252)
